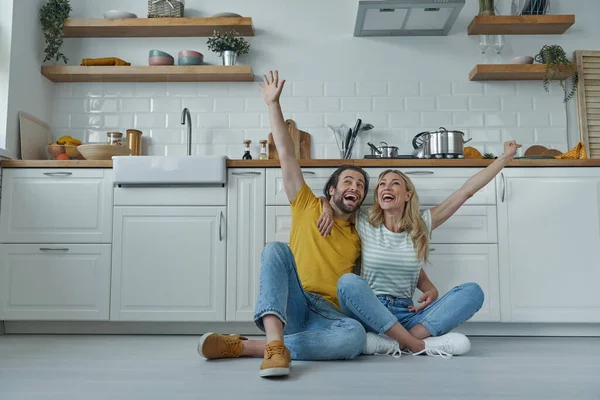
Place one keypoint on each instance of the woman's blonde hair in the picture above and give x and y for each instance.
(410, 222)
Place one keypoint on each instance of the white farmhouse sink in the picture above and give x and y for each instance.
(170, 170)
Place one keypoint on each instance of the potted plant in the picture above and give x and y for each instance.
(486, 7)
(556, 61)
(52, 16)
(229, 46)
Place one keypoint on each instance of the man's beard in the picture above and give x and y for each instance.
(338, 200)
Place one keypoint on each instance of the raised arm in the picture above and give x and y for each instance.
(448, 207)
(292, 174)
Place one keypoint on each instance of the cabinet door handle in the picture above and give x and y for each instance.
(431, 250)
(221, 227)
(308, 173)
(64, 249)
(419, 172)
(58, 173)
(503, 187)
(249, 173)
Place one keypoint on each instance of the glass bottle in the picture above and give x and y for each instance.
(263, 150)
(247, 155)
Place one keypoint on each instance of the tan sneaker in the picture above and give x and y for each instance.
(213, 345)
(277, 360)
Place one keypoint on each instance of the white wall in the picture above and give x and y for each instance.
(401, 85)
(29, 91)
(6, 14)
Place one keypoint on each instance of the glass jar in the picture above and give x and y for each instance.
(134, 141)
(263, 150)
(114, 138)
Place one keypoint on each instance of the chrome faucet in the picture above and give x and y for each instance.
(185, 113)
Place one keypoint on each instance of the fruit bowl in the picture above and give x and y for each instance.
(99, 151)
(63, 152)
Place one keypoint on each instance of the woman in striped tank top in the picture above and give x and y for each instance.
(395, 237)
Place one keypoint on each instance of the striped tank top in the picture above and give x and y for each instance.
(389, 260)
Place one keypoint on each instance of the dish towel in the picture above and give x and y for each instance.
(576, 153)
(104, 61)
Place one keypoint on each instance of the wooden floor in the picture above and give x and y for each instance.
(168, 368)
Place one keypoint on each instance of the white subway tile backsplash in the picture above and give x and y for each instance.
(534, 88)
(202, 136)
(357, 104)
(467, 88)
(198, 105)
(166, 136)
(467, 119)
(420, 104)
(517, 103)
(87, 120)
(244, 120)
(150, 89)
(60, 120)
(182, 89)
(436, 88)
(433, 120)
(154, 121)
(255, 104)
(120, 122)
(336, 119)
(408, 119)
(229, 104)
(371, 89)
(256, 135)
(453, 103)
(309, 120)
(377, 119)
(340, 89)
(532, 119)
(212, 120)
(89, 90)
(307, 88)
(135, 105)
(324, 104)
(265, 121)
(63, 90)
(552, 135)
(322, 135)
(71, 105)
(501, 119)
(549, 104)
(500, 88)
(153, 150)
(294, 104)
(168, 104)
(244, 89)
(484, 103)
(405, 89)
(558, 118)
(99, 105)
(486, 135)
(214, 89)
(521, 135)
(230, 136)
(118, 89)
(176, 150)
(93, 136)
(393, 104)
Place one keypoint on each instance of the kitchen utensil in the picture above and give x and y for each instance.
(552, 152)
(301, 141)
(388, 151)
(350, 145)
(339, 134)
(98, 151)
(439, 144)
(375, 152)
(535, 150)
(35, 135)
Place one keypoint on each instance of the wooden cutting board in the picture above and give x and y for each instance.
(301, 141)
(35, 136)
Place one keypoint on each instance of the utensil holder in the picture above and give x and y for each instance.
(165, 8)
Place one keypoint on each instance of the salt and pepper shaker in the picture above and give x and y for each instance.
(263, 150)
(247, 155)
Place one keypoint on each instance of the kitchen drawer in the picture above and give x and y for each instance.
(170, 196)
(315, 179)
(54, 282)
(56, 206)
(470, 224)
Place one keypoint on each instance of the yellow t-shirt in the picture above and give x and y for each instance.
(321, 261)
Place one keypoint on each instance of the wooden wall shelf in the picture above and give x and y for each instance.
(521, 24)
(513, 72)
(199, 73)
(155, 27)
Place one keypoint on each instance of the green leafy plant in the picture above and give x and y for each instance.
(556, 61)
(52, 16)
(230, 41)
(488, 156)
(486, 7)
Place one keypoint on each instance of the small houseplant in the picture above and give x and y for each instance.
(228, 45)
(486, 7)
(52, 16)
(556, 61)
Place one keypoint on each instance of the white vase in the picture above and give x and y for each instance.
(229, 57)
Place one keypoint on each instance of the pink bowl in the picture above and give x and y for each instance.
(161, 60)
(190, 53)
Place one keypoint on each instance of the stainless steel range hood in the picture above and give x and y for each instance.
(406, 17)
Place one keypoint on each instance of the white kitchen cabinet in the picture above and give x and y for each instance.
(245, 240)
(549, 241)
(54, 282)
(169, 264)
(56, 206)
(453, 264)
(315, 178)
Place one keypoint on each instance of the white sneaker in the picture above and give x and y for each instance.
(381, 346)
(446, 346)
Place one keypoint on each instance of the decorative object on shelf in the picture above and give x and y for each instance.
(65, 148)
(106, 61)
(486, 7)
(134, 141)
(576, 153)
(100, 151)
(472, 152)
(157, 57)
(166, 8)
(52, 17)
(488, 156)
(229, 46)
(530, 7)
(114, 138)
(190, 57)
(118, 14)
(301, 141)
(522, 60)
(226, 15)
(263, 150)
(555, 59)
(499, 42)
(247, 155)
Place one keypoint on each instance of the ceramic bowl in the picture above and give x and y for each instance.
(190, 53)
(226, 15)
(154, 53)
(161, 60)
(189, 61)
(118, 14)
(522, 60)
(98, 151)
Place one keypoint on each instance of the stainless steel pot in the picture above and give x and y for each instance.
(383, 151)
(438, 144)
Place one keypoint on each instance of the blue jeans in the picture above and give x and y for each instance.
(379, 313)
(314, 329)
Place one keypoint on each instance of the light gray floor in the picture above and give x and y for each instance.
(168, 368)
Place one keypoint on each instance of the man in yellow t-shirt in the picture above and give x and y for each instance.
(298, 283)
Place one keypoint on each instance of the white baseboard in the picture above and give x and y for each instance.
(248, 328)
